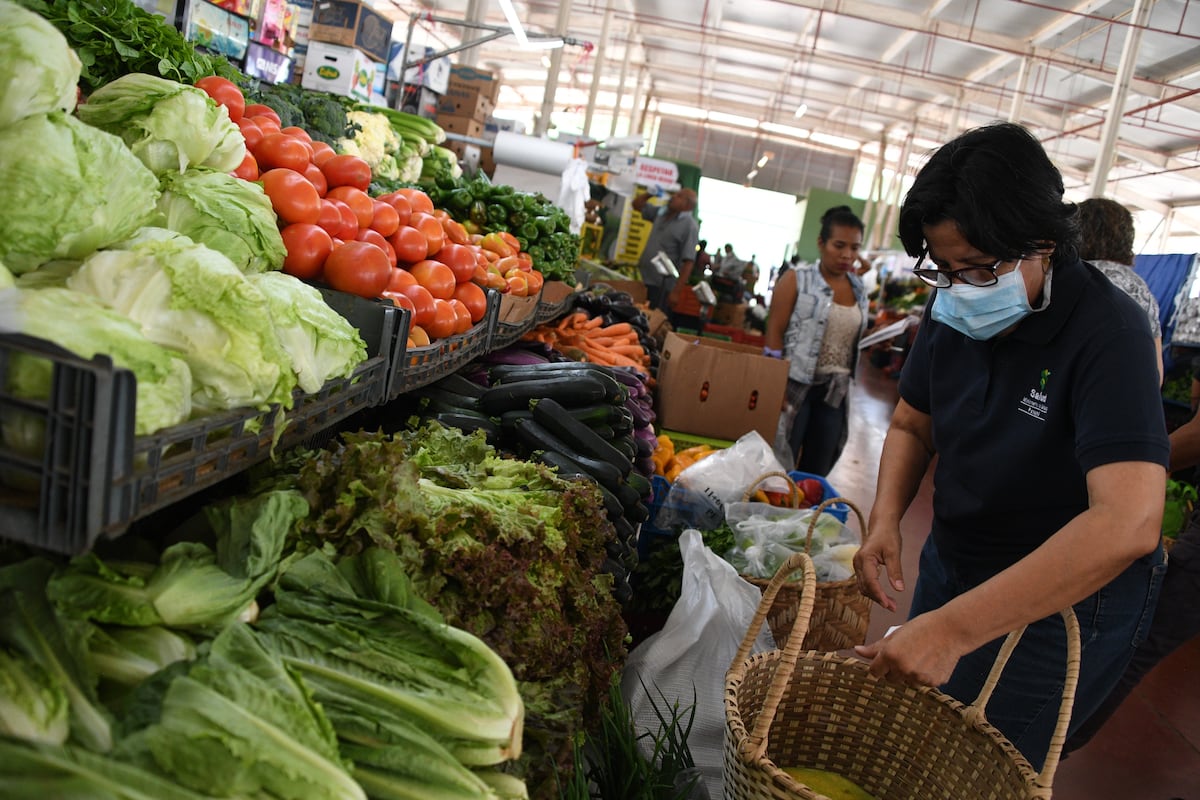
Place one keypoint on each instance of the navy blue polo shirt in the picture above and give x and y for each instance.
(1019, 420)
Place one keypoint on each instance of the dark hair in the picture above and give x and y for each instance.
(999, 186)
(838, 215)
(1105, 231)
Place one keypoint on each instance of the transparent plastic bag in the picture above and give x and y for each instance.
(698, 497)
(765, 535)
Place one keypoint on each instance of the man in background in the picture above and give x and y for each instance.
(675, 234)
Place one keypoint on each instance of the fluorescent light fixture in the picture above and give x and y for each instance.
(732, 119)
(676, 110)
(553, 43)
(836, 141)
(801, 111)
(546, 62)
(514, 21)
(752, 174)
(762, 162)
(785, 130)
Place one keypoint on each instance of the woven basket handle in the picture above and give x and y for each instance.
(974, 713)
(812, 523)
(756, 744)
(793, 490)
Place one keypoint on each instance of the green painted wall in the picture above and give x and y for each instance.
(815, 204)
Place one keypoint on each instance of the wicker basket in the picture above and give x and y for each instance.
(841, 614)
(897, 742)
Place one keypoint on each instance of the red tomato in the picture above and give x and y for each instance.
(401, 204)
(436, 277)
(307, 248)
(435, 237)
(410, 244)
(444, 320)
(460, 259)
(316, 178)
(473, 298)
(299, 133)
(398, 300)
(422, 301)
(259, 110)
(344, 170)
(399, 279)
(385, 220)
(322, 153)
(349, 220)
(418, 199)
(248, 169)
(224, 93)
(292, 196)
(267, 124)
(331, 217)
(377, 239)
(358, 268)
(250, 132)
(359, 201)
(281, 150)
(463, 316)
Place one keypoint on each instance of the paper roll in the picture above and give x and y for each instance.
(532, 153)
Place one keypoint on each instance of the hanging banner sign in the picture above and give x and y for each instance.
(656, 172)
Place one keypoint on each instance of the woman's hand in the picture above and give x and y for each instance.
(881, 550)
(922, 652)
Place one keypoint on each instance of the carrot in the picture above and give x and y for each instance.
(631, 350)
(616, 329)
(612, 341)
(593, 323)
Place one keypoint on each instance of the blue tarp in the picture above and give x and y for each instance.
(1165, 275)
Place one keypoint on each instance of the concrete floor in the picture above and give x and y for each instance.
(1150, 749)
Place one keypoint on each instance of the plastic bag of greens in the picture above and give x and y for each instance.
(766, 535)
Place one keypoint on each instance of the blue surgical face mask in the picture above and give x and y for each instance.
(982, 312)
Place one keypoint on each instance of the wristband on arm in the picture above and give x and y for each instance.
(771, 353)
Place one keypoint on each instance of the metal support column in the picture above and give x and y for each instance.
(612, 131)
(1018, 102)
(560, 28)
(636, 111)
(884, 235)
(476, 12)
(597, 72)
(873, 195)
(1116, 105)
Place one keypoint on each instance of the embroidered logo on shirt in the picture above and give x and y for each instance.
(1034, 404)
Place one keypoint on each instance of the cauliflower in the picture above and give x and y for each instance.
(376, 140)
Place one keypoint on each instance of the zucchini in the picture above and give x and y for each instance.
(605, 432)
(460, 385)
(444, 399)
(583, 439)
(625, 530)
(628, 495)
(509, 418)
(640, 484)
(637, 512)
(535, 437)
(577, 390)
(570, 469)
(625, 445)
(615, 391)
(469, 422)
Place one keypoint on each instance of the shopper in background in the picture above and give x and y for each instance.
(750, 277)
(816, 318)
(703, 266)
(1032, 380)
(675, 233)
(1106, 242)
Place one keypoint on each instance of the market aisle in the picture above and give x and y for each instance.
(1150, 750)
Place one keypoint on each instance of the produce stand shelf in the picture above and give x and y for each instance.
(557, 299)
(421, 366)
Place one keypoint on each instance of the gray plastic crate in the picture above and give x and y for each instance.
(422, 366)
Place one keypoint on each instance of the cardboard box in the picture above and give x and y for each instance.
(719, 389)
(352, 24)
(266, 64)
(730, 314)
(468, 80)
(338, 70)
(415, 100)
(473, 104)
(465, 126)
(496, 124)
(635, 289)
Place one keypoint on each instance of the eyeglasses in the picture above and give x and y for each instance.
(944, 278)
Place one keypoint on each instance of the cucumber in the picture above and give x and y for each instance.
(577, 390)
(460, 385)
(583, 439)
(535, 437)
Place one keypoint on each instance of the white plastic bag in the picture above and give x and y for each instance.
(574, 192)
(765, 536)
(693, 652)
(699, 495)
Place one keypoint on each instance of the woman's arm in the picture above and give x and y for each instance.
(783, 300)
(907, 451)
(1120, 525)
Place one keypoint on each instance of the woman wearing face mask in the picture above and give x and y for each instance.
(1034, 381)
(817, 316)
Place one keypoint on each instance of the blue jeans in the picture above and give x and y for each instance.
(1025, 704)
